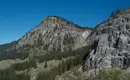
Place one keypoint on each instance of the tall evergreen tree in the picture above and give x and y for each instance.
(45, 65)
(112, 14)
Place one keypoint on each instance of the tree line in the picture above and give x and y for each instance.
(10, 74)
(25, 65)
(62, 67)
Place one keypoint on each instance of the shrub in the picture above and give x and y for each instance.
(45, 76)
(10, 74)
(64, 65)
(24, 65)
(112, 74)
(60, 55)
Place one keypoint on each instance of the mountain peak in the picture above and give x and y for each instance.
(56, 21)
(55, 34)
(53, 18)
(61, 22)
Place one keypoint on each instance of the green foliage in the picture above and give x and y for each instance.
(10, 74)
(45, 65)
(7, 46)
(62, 67)
(23, 76)
(14, 55)
(8, 51)
(125, 76)
(48, 75)
(65, 65)
(69, 64)
(60, 55)
(45, 76)
(39, 40)
(24, 65)
(112, 74)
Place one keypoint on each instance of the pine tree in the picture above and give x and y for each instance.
(45, 65)
(112, 14)
(59, 68)
(118, 11)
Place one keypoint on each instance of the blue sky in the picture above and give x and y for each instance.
(18, 16)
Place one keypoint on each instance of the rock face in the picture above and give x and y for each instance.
(55, 34)
(111, 43)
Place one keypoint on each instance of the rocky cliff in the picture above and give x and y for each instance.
(111, 43)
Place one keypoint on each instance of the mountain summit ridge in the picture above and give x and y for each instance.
(55, 34)
(56, 18)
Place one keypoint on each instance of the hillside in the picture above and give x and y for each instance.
(109, 56)
(54, 43)
(58, 49)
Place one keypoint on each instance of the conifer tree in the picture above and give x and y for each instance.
(45, 65)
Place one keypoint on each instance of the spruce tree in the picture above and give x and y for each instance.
(112, 14)
(45, 65)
